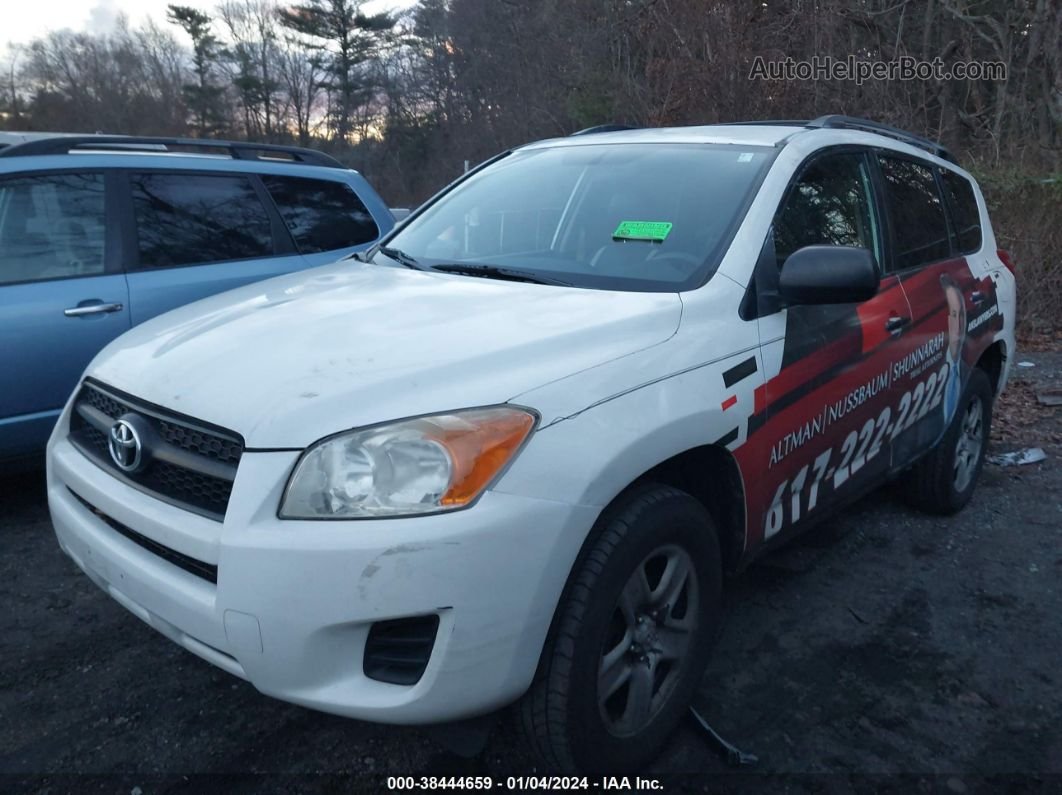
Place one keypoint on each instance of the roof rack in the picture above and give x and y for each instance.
(63, 145)
(603, 128)
(835, 122)
(764, 123)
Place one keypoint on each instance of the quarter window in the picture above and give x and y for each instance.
(51, 227)
(322, 215)
(829, 204)
(965, 216)
(191, 219)
(920, 230)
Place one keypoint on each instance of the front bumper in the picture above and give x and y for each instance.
(294, 600)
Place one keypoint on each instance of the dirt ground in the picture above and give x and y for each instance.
(886, 650)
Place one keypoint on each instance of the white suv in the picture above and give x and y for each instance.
(513, 454)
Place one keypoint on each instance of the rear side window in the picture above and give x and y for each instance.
(965, 216)
(192, 219)
(51, 227)
(829, 204)
(322, 215)
(920, 230)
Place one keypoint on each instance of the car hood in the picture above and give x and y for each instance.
(290, 360)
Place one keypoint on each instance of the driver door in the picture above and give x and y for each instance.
(828, 407)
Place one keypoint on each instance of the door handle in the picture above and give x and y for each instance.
(977, 297)
(896, 323)
(92, 309)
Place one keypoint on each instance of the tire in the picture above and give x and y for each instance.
(656, 530)
(944, 480)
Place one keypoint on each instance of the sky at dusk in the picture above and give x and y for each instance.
(24, 21)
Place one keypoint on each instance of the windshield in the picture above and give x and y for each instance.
(637, 217)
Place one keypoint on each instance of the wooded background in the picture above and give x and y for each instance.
(407, 98)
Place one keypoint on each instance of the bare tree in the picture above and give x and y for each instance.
(301, 73)
(125, 81)
(253, 54)
(12, 103)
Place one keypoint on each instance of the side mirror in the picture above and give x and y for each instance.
(828, 275)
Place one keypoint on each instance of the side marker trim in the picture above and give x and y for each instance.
(739, 371)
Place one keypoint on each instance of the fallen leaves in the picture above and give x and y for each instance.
(1020, 419)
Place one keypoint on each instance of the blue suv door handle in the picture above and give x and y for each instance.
(92, 309)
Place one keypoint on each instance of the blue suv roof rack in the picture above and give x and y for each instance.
(237, 150)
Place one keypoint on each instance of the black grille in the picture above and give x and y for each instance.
(102, 401)
(201, 443)
(398, 651)
(206, 571)
(187, 463)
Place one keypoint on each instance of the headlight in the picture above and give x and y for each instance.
(423, 465)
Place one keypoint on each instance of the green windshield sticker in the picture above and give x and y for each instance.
(654, 231)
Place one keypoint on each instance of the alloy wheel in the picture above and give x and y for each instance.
(970, 442)
(650, 633)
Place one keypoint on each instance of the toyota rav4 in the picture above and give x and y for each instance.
(510, 453)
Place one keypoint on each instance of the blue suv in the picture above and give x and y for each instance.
(98, 234)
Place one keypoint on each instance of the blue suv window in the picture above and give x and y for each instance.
(51, 227)
(322, 215)
(192, 219)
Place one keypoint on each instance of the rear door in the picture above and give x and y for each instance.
(196, 234)
(935, 233)
(62, 295)
(825, 415)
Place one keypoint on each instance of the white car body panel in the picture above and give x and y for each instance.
(364, 343)
(294, 608)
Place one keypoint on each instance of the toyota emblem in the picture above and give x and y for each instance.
(125, 446)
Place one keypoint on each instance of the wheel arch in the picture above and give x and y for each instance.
(710, 474)
(993, 361)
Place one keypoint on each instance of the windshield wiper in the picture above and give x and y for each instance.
(494, 272)
(402, 257)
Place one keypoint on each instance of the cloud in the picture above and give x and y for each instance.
(102, 17)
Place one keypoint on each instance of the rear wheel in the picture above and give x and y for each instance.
(631, 637)
(944, 481)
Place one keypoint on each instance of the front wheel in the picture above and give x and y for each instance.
(943, 482)
(631, 638)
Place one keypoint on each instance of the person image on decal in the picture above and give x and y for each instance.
(955, 343)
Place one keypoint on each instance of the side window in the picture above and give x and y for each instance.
(829, 204)
(51, 227)
(920, 231)
(322, 215)
(965, 216)
(192, 219)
